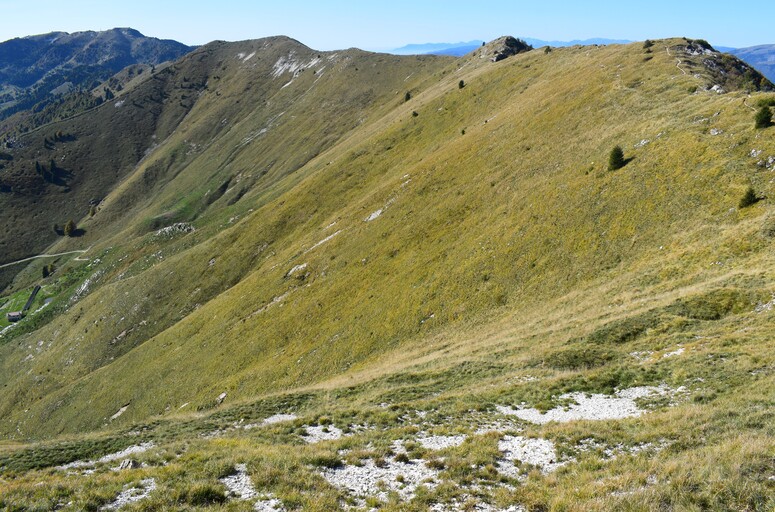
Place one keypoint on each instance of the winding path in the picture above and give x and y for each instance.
(45, 256)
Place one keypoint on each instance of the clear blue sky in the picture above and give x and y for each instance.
(385, 24)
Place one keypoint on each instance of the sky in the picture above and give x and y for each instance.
(387, 24)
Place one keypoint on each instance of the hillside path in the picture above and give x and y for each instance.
(44, 256)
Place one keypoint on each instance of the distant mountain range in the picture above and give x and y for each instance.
(462, 48)
(37, 69)
(761, 57)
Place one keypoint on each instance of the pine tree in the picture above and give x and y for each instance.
(70, 228)
(748, 199)
(763, 117)
(616, 159)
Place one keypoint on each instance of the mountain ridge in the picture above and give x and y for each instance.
(404, 249)
(34, 69)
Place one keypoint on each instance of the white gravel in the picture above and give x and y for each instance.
(593, 407)
(460, 506)
(679, 351)
(371, 480)
(537, 452)
(132, 450)
(374, 215)
(271, 420)
(269, 504)
(320, 433)
(239, 484)
(132, 495)
(441, 442)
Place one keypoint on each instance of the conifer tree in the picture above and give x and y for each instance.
(763, 117)
(616, 159)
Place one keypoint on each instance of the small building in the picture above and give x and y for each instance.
(15, 316)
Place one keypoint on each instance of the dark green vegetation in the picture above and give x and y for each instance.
(57, 71)
(277, 225)
(763, 118)
(616, 159)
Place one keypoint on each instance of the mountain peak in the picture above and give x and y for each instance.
(504, 47)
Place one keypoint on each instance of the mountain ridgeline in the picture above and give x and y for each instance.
(263, 223)
(37, 71)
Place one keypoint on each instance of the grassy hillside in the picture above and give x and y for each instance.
(357, 257)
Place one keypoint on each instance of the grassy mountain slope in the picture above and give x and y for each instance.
(463, 249)
(36, 70)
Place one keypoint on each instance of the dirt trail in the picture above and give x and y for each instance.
(56, 255)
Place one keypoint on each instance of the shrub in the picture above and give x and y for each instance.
(616, 159)
(763, 117)
(648, 43)
(461, 84)
(548, 49)
(749, 198)
(579, 358)
(407, 96)
(767, 102)
(70, 228)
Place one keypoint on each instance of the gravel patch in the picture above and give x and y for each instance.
(441, 442)
(269, 504)
(320, 433)
(593, 406)
(537, 452)
(463, 506)
(132, 495)
(132, 450)
(679, 351)
(609, 452)
(271, 420)
(371, 480)
(239, 484)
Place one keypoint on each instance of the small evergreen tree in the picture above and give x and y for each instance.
(70, 228)
(616, 159)
(763, 117)
(748, 199)
(648, 43)
(461, 84)
(407, 96)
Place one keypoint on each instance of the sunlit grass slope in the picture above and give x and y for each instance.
(387, 237)
(358, 260)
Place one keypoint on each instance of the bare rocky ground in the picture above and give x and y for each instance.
(400, 476)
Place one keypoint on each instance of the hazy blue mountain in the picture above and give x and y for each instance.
(433, 48)
(460, 49)
(761, 57)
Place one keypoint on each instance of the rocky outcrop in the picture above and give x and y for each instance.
(505, 47)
